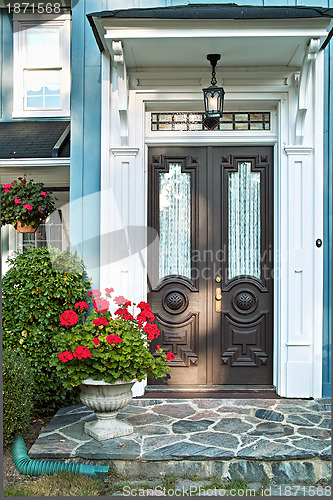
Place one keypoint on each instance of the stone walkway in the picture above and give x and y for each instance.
(284, 440)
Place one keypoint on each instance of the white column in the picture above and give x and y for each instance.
(299, 261)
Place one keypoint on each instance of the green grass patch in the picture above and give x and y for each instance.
(60, 484)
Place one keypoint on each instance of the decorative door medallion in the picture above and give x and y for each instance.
(210, 271)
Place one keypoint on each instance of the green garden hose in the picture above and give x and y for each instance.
(29, 467)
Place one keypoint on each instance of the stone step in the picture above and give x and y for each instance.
(284, 441)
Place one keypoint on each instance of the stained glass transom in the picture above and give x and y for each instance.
(244, 222)
(175, 222)
(190, 121)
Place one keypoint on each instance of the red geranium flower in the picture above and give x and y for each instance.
(114, 339)
(144, 316)
(69, 318)
(81, 352)
(28, 206)
(170, 356)
(43, 194)
(65, 356)
(123, 313)
(96, 341)
(100, 321)
(158, 347)
(17, 201)
(143, 305)
(82, 305)
(152, 331)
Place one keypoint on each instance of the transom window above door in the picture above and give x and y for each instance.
(191, 121)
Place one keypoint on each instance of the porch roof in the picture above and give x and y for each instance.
(182, 36)
(215, 11)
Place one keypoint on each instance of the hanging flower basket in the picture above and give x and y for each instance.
(25, 204)
(21, 227)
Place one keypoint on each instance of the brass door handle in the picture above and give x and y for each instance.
(218, 299)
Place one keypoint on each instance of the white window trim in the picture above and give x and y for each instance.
(20, 24)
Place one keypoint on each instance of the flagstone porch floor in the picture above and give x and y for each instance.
(284, 441)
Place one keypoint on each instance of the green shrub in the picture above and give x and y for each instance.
(18, 390)
(39, 285)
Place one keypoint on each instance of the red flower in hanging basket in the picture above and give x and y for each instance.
(25, 201)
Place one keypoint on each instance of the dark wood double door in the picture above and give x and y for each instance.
(210, 272)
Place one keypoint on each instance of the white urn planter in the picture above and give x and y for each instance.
(106, 400)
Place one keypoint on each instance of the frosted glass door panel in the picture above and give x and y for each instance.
(175, 222)
(244, 222)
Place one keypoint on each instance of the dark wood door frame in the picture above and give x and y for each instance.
(205, 354)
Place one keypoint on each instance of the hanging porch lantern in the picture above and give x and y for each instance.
(213, 97)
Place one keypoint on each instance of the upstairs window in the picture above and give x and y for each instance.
(41, 66)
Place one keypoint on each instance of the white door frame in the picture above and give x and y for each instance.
(298, 183)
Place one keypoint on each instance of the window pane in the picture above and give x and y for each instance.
(49, 233)
(45, 85)
(244, 222)
(175, 222)
(42, 46)
(35, 102)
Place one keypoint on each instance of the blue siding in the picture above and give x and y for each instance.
(6, 65)
(85, 136)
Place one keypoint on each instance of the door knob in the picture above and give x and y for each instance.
(218, 299)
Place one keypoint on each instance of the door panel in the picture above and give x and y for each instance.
(209, 274)
(177, 186)
(243, 330)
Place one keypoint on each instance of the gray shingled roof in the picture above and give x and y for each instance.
(32, 139)
(217, 11)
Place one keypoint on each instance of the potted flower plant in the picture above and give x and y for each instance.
(105, 354)
(25, 204)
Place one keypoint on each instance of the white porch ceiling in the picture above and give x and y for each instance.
(191, 53)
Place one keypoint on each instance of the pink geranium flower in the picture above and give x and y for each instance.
(17, 201)
(100, 304)
(94, 292)
(122, 301)
(7, 187)
(28, 206)
(43, 194)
